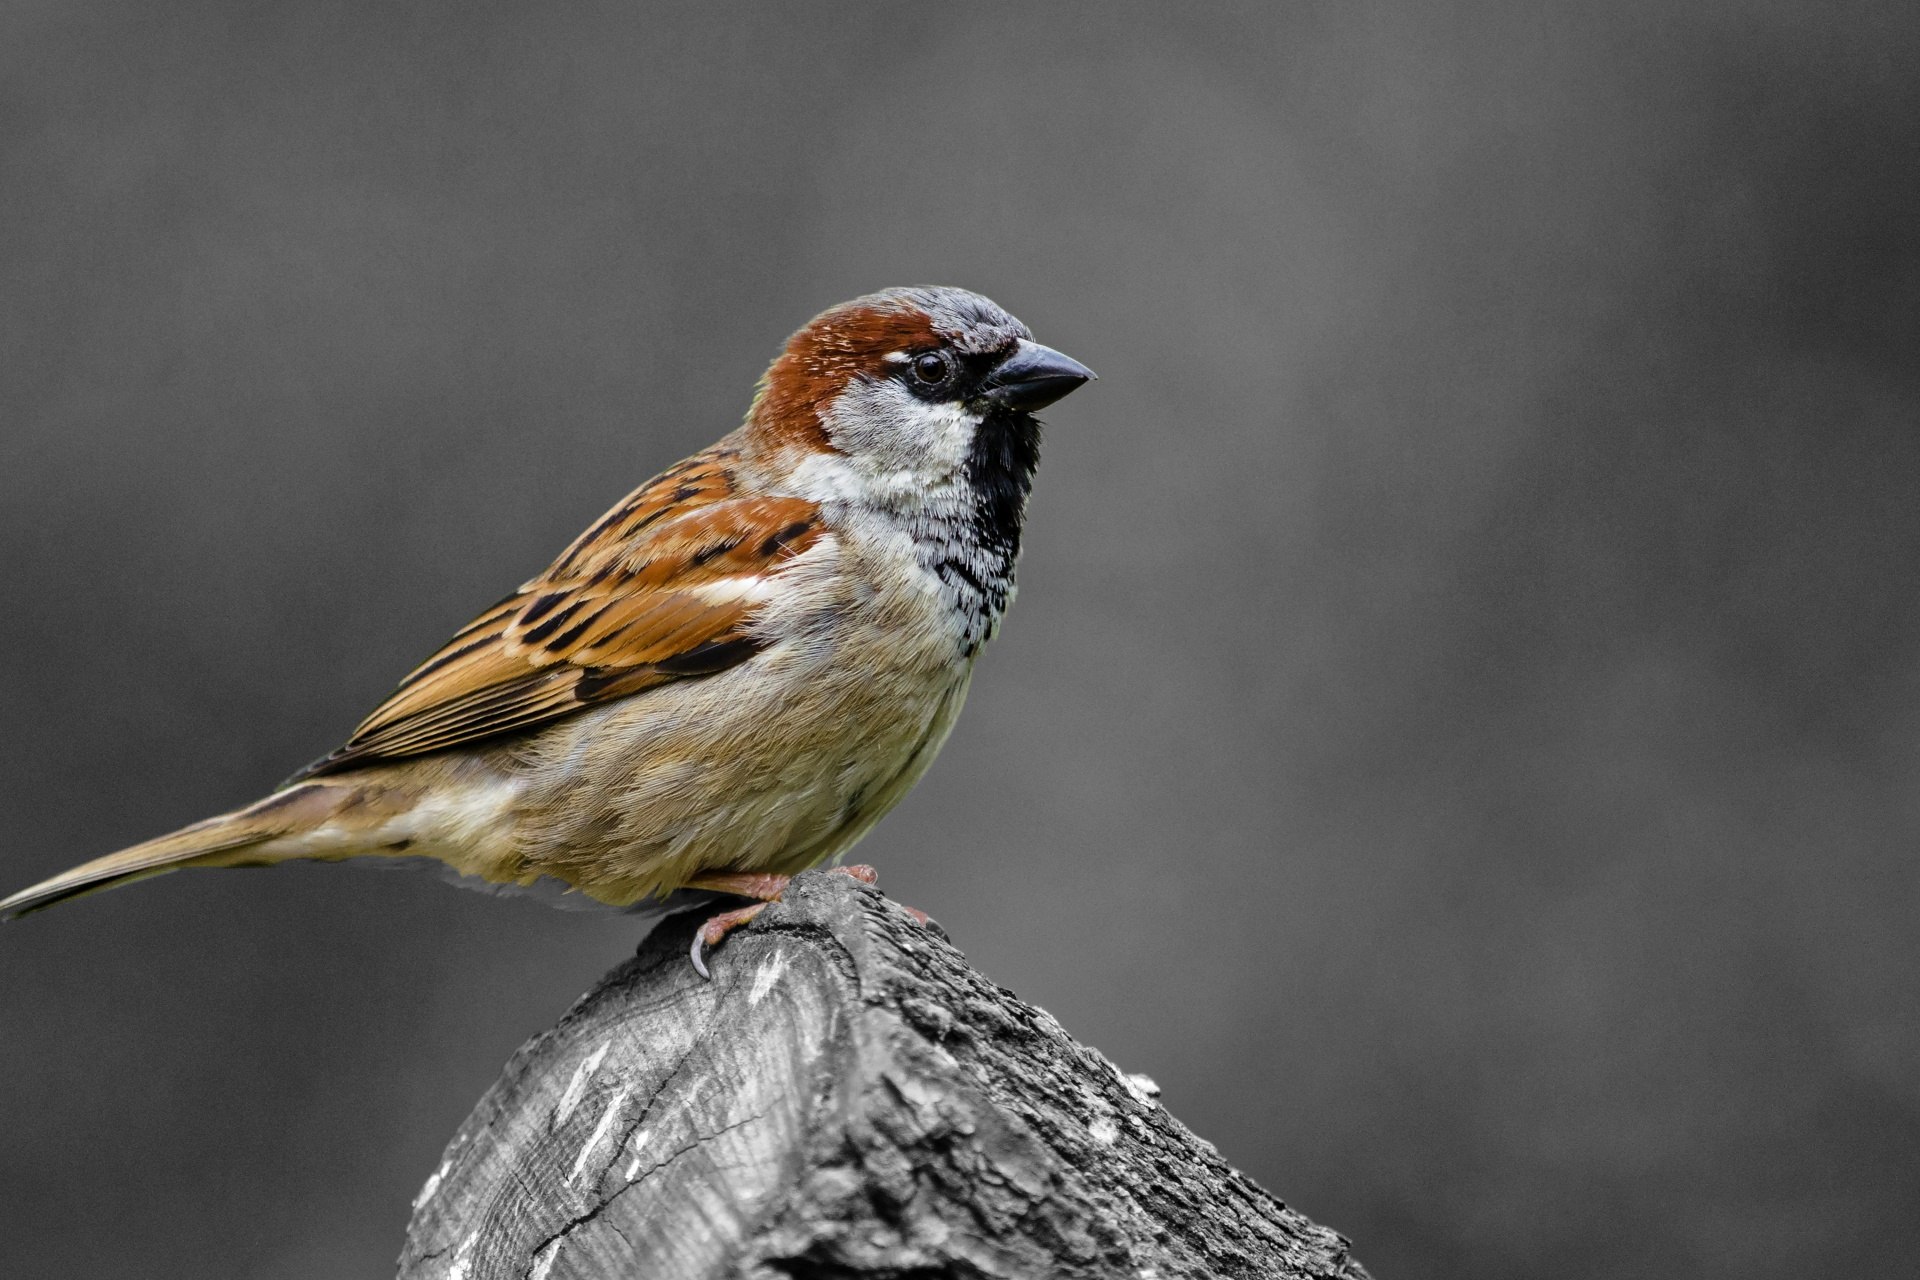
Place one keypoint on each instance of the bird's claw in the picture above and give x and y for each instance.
(717, 927)
(710, 933)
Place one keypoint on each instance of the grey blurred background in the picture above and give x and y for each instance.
(1459, 731)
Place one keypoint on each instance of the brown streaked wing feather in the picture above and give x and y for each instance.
(705, 478)
(661, 588)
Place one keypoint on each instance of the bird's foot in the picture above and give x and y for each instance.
(768, 889)
(717, 927)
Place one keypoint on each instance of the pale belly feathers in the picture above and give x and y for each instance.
(776, 765)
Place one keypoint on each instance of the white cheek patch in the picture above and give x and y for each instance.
(826, 477)
(885, 431)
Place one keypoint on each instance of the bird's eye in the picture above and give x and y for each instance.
(931, 368)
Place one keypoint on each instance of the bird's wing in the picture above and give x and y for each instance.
(661, 588)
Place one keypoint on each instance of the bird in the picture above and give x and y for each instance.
(729, 677)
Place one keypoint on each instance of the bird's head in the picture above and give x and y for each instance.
(904, 391)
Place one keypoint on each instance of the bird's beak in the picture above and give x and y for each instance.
(1033, 377)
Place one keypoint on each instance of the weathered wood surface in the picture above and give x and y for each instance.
(847, 1098)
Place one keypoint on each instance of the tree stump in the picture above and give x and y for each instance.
(847, 1098)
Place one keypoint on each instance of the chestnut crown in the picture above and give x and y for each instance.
(940, 345)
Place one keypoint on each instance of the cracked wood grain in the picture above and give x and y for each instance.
(847, 1098)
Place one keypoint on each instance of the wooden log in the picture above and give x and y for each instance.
(847, 1098)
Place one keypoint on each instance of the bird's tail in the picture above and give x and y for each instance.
(253, 836)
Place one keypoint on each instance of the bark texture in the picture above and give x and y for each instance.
(847, 1098)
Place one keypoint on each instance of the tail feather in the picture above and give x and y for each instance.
(230, 839)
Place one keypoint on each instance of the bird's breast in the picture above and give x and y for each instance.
(932, 574)
(774, 765)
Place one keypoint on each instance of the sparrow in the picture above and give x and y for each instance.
(733, 674)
